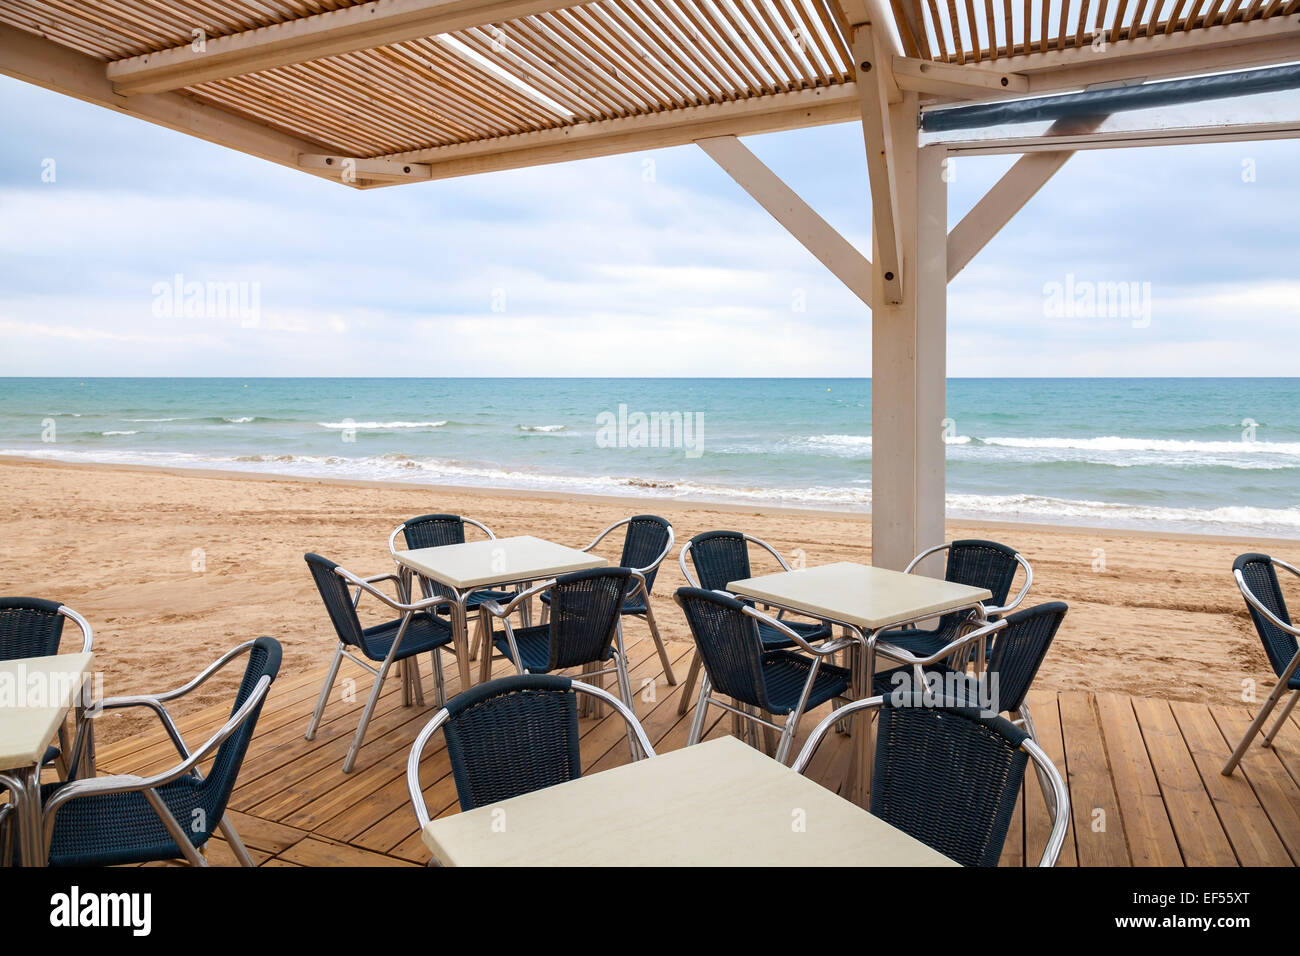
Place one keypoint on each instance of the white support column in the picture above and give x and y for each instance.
(909, 358)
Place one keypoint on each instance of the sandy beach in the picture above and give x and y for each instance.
(174, 567)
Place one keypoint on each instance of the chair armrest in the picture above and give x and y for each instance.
(1016, 601)
(1258, 605)
(87, 635)
(203, 676)
(366, 585)
(907, 657)
(496, 610)
(911, 565)
(94, 786)
(822, 650)
(122, 783)
(154, 704)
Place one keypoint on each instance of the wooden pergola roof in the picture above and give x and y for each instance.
(406, 90)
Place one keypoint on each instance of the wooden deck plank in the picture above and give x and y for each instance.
(1191, 811)
(1147, 764)
(1243, 819)
(1263, 769)
(1046, 714)
(1151, 840)
(1100, 838)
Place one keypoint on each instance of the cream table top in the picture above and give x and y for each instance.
(718, 803)
(477, 564)
(866, 597)
(36, 694)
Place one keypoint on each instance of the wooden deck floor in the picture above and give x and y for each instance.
(1143, 775)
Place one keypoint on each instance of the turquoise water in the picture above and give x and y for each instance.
(1209, 455)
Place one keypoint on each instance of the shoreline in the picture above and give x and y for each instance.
(646, 503)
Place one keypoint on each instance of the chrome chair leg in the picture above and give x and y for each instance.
(236, 844)
(325, 693)
(625, 692)
(701, 705)
(351, 758)
(691, 677)
(1274, 695)
(1027, 722)
(1281, 719)
(787, 737)
(659, 643)
(439, 678)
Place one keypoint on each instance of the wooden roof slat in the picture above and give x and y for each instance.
(648, 14)
(552, 45)
(519, 60)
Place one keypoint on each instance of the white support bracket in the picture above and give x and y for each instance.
(873, 62)
(354, 169)
(932, 78)
(1007, 197)
(799, 219)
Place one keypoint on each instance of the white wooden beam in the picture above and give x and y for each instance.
(799, 219)
(54, 67)
(873, 63)
(1007, 197)
(759, 114)
(955, 82)
(908, 366)
(378, 23)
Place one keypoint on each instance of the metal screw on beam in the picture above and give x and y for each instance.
(889, 277)
(866, 67)
(1005, 81)
(406, 169)
(329, 161)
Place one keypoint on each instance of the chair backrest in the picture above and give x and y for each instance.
(511, 736)
(263, 661)
(338, 599)
(585, 610)
(979, 564)
(1260, 577)
(647, 537)
(433, 531)
(1019, 649)
(720, 557)
(728, 642)
(29, 627)
(948, 777)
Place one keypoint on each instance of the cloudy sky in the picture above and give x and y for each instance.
(645, 264)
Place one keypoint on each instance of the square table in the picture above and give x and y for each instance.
(493, 563)
(866, 600)
(719, 803)
(36, 694)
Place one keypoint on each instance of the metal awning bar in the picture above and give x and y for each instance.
(1119, 99)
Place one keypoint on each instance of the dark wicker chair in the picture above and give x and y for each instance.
(512, 736)
(33, 627)
(981, 564)
(647, 541)
(583, 629)
(108, 821)
(419, 629)
(1020, 641)
(1256, 577)
(761, 681)
(437, 531)
(721, 557)
(950, 777)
